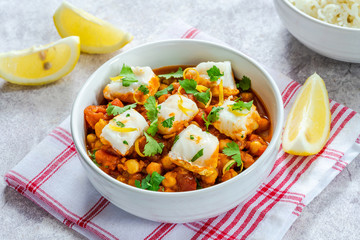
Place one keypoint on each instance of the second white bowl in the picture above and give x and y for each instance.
(340, 43)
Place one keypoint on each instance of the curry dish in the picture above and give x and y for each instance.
(177, 128)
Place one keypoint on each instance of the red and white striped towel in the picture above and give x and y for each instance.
(51, 175)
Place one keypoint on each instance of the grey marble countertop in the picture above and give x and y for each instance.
(250, 26)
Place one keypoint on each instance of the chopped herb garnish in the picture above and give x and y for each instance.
(176, 139)
(152, 110)
(207, 122)
(150, 182)
(212, 117)
(143, 89)
(214, 114)
(120, 124)
(233, 150)
(164, 91)
(115, 110)
(214, 73)
(203, 97)
(244, 84)
(152, 130)
(177, 74)
(127, 76)
(197, 155)
(92, 156)
(189, 85)
(125, 142)
(106, 166)
(152, 147)
(240, 105)
(198, 186)
(128, 115)
(168, 123)
(192, 137)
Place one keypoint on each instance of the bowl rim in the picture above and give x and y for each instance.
(318, 21)
(273, 143)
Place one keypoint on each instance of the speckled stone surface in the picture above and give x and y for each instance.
(28, 114)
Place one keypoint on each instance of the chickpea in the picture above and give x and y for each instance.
(98, 144)
(254, 147)
(167, 163)
(246, 97)
(133, 178)
(121, 178)
(132, 166)
(91, 138)
(228, 175)
(222, 143)
(154, 167)
(264, 124)
(99, 127)
(210, 179)
(170, 180)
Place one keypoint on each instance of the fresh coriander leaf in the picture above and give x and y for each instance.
(244, 83)
(120, 124)
(128, 115)
(150, 182)
(152, 110)
(212, 117)
(192, 137)
(152, 130)
(176, 139)
(144, 89)
(189, 85)
(177, 74)
(164, 91)
(152, 147)
(240, 105)
(214, 114)
(127, 75)
(207, 123)
(137, 184)
(168, 123)
(115, 110)
(125, 142)
(155, 181)
(203, 97)
(214, 73)
(232, 150)
(197, 155)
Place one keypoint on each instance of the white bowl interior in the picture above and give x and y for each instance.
(178, 52)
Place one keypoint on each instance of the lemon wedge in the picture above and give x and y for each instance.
(42, 64)
(96, 35)
(308, 124)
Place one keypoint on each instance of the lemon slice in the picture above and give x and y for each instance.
(40, 64)
(96, 35)
(308, 124)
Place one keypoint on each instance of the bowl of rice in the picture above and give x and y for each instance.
(328, 27)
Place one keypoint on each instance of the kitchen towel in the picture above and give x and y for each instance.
(51, 175)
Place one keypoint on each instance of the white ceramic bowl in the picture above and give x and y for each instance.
(340, 43)
(179, 206)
